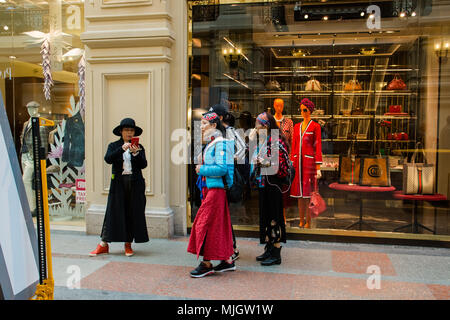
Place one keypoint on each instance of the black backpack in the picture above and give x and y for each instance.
(234, 193)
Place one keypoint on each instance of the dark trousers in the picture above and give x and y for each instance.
(271, 218)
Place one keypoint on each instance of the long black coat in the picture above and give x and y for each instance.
(114, 224)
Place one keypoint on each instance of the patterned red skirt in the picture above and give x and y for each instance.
(211, 235)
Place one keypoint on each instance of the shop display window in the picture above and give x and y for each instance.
(376, 79)
(42, 74)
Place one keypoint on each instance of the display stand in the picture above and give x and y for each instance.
(399, 195)
(359, 190)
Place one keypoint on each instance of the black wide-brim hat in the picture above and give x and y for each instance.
(127, 123)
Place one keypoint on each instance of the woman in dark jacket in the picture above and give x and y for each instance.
(125, 212)
(272, 228)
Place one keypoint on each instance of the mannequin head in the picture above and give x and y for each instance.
(306, 114)
(306, 108)
(278, 105)
(33, 108)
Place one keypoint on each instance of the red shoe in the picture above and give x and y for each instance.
(128, 251)
(99, 250)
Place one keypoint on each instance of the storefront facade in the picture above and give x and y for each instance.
(164, 64)
(376, 72)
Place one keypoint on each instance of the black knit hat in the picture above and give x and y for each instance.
(127, 123)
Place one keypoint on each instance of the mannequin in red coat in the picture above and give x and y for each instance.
(307, 158)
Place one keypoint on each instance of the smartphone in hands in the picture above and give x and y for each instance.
(135, 141)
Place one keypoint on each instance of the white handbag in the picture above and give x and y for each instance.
(313, 85)
(418, 178)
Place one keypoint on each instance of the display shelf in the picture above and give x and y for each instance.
(347, 140)
(354, 116)
(396, 117)
(271, 94)
(325, 116)
(395, 141)
(395, 92)
(313, 93)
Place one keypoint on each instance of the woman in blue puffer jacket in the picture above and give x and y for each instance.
(211, 235)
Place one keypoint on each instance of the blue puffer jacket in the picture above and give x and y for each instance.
(218, 162)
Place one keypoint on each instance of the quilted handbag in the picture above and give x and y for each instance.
(396, 84)
(313, 85)
(352, 85)
(316, 204)
(375, 171)
(418, 178)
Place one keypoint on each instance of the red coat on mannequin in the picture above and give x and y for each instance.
(306, 154)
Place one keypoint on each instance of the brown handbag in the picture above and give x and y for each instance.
(352, 85)
(375, 171)
(396, 84)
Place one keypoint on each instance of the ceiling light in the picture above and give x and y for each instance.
(306, 16)
(325, 18)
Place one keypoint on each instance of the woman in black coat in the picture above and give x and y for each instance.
(125, 212)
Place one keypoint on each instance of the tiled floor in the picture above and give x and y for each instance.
(160, 270)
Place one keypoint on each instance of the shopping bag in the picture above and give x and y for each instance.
(375, 171)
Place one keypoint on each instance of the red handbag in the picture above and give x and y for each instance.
(396, 84)
(316, 204)
(395, 109)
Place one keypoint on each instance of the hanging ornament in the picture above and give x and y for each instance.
(46, 69)
(45, 39)
(79, 53)
(81, 82)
